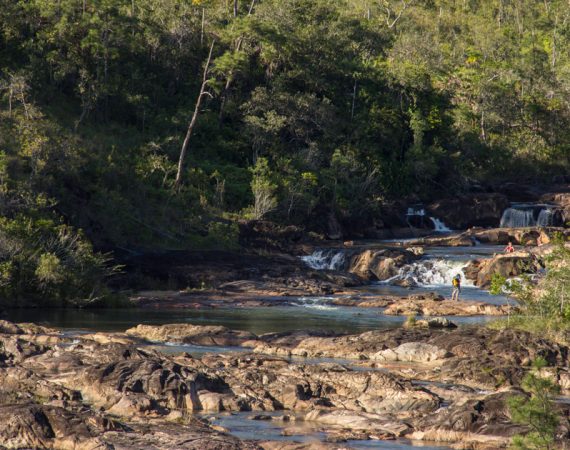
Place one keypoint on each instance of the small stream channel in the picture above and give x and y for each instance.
(274, 428)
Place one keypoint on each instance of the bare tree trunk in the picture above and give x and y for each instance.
(353, 99)
(397, 16)
(250, 10)
(554, 42)
(10, 94)
(482, 122)
(192, 123)
(236, 8)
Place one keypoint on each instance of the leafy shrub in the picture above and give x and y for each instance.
(537, 411)
(222, 235)
(52, 263)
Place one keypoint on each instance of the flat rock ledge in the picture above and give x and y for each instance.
(88, 392)
(427, 304)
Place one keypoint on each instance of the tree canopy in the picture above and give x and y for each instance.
(345, 103)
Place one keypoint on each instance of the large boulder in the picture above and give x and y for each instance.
(506, 265)
(518, 236)
(380, 264)
(470, 210)
(374, 424)
(34, 426)
(476, 421)
(271, 236)
(411, 351)
(192, 334)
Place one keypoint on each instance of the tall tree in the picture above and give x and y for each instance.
(203, 92)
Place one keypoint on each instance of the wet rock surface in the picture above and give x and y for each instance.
(119, 393)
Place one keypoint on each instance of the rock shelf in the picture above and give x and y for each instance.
(88, 392)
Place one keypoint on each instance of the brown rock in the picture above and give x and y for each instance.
(470, 210)
(192, 334)
(379, 264)
(507, 265)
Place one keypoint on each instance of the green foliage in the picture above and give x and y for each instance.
(223, 236)
(543, 303)
(49, 269)
(411, 321)
(555, 296)
(537, 411)
(263, 189)
(50, 263)
(336, 105)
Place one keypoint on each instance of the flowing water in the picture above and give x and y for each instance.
(415, 217)
(432, 273)
(524, 215)
(439, 226)
(325, 259)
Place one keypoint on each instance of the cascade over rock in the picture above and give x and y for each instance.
(368, 264)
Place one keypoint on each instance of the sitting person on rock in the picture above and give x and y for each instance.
(456, 282)
(509, 248)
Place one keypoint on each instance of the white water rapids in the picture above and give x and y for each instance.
(439, 226)
(425, 272)
(325, 259)
(431, 272)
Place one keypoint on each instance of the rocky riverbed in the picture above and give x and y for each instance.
(344, 381)
(117, 391)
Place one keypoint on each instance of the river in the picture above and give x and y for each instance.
(431, 273)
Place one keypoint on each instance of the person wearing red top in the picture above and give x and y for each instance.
(509, 248)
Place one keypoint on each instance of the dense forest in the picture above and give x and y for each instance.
(159, 123)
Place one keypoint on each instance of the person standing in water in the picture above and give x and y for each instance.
(509, 248)
(456, 282)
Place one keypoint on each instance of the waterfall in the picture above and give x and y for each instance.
(545, 218)
(517, 218)
(523, 217)
(431, 272)
(416, 212)
(325, 259)
(439, 226)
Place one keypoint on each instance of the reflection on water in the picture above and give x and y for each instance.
(257, 320)
(241, 426)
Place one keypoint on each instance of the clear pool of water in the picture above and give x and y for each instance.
(242, 426)
(257, 320)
